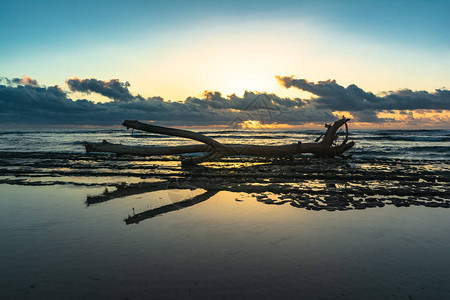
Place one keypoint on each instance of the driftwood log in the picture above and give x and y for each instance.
(327, 145)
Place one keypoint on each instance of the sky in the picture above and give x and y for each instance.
(202, 63)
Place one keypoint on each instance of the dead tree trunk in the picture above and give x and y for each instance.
(327, 145)
(177, 132)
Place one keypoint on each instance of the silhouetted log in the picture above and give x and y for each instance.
(142, 150)
(251, 150)
(327, 147)
(176, 132)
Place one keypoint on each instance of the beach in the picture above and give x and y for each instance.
(79, 226)
(224, 150)
(54, 247)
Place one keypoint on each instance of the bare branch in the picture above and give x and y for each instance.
(324, 148)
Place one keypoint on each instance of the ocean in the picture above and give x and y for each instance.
(390, 144)
(77, 225)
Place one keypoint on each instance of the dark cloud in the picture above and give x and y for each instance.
(365, 105)
(34, 104)
(113, 89)
(51, 105)
(25, 80)
(334, 96)
(249, 102)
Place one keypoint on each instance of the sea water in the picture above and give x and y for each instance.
(405, 144)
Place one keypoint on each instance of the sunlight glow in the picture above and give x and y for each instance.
(421, 114)
(340, 114)
(418, 118)
(254, 124)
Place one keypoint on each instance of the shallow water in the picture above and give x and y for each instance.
(229, 246)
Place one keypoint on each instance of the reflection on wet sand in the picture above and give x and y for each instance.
(304, 182)
(123, 190)
(135, 219)
(308, 184)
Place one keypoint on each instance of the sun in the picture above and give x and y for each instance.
(239, 82)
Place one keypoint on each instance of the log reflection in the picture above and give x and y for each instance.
(124, 190)
(135, 219)
(309, 184)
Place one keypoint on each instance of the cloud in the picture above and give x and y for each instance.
(25, 80)
(51, 105)
(365, 106)
(331, 95)
(250, 101)
(29, 103)
(113, 89)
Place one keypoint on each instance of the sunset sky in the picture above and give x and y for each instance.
(385, 63)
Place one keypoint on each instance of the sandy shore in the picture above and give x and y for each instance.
(76, 226)
(228, 246)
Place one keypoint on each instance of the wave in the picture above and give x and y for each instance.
(19, 132)
(93, 131)
(219, 131)
(252, 137)
(217, 136)
(268, 131)
(403, 138)
(431, 149)
(408, 131)
(139, 136)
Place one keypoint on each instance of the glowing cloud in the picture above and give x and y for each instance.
(29, 103)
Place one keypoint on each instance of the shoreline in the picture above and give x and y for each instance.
(305, 182)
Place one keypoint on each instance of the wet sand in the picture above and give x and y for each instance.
(75, 227)
(229, 246)
(304, 182)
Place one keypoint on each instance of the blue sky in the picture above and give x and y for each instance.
(178, 49)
